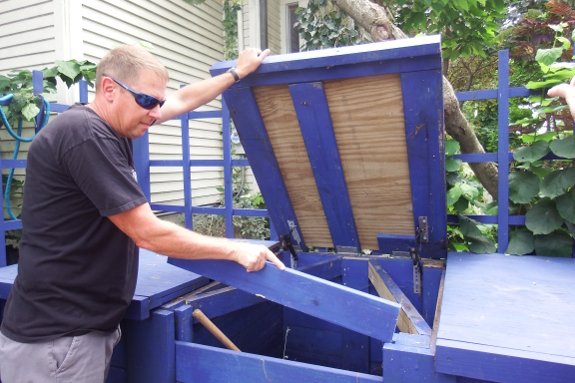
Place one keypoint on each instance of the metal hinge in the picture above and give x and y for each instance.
(416, 272)
(348, 250)
(423, 230)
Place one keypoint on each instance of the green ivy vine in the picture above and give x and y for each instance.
(231, 8)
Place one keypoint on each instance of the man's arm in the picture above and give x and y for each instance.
(152, 233)
(567, 92)
(195, 95)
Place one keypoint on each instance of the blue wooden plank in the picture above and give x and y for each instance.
(502, 150)
(197, 363)
(228, 187)
(151, 357)
(342, 56)
(205, 114)
(388, 243)
(405, 362)
(354, 346)
(317, 359)
(314, 118)
(185, 124)
(117, 375)
(293, 317)
(423, 112)
(328, 268)
(500, 364)
(183, 322)
(487, 94)
(489, 219)
(346, 307)
(83, 90)
(401, 271)
(6, 163)
(139, 308)
(254, 137)
(141, 157)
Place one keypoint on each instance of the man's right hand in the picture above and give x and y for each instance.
(253, 257)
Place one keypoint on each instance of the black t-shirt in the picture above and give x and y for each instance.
(77, 271)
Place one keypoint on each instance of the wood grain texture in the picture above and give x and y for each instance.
(279, 116)
(367, 117)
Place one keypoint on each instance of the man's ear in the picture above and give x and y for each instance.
(108, 89)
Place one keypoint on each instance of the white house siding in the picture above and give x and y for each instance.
(274, 31)
(27, 41)
(187, 40)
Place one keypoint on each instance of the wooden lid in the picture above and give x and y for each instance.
(343, 143)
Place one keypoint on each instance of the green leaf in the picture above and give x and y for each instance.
(68, 68)
(521, 241)
(452, 178)
(548, 56)
(454, 194)
(558, 182)
(531, 153)
(523, 186)
(452, 165)
(556, 244)
(451, 147)
(543, 218)
(478, 243)
(530, 137)
(566, 206)
(563, 148)
(29, 111)
(461, 205)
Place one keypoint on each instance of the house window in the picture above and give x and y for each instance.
(293, 35)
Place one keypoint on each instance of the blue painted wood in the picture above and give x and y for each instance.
(406, 361)
(317, 359)
(6, 163)
(491, 219)
(314, 118)
(423, 112)
(296, 318)
(346, 307)
(487, 94)
(83, 89)
(314, 341)
(401, 271)
(185, 124)
(431, 278)
(184, 321)
(328, 268)
(515, 311)
(195, 162)
(502, 365)
(354, 346)
(37, 82)
(197, 363)
(119, 356)
(410, 314)
(256, 143)
(58, 108)
(151, 356)
(353, 56)
(142, 163)
(388, 243)
(117, 375)
(503, 149)
(228, 189)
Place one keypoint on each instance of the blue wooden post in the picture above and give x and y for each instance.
(83, 85)
(502, 153)
(151, 349)
(355, 346)
(184, 322)
(228, 188)
(142, 163)
(186, 169)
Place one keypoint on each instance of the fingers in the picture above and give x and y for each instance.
(275, 260)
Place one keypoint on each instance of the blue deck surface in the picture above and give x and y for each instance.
(158, 283)
(505, 318)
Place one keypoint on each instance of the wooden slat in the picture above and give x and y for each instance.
(338, 304)
(285, 136)
(410, 321)
(367, 115)
(197, 363)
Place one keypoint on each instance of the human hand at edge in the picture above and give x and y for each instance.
(249, 60)
(253, 257)
(566, 91)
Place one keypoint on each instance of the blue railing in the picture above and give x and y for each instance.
(143, 162)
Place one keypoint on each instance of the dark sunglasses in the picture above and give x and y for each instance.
(145, 101)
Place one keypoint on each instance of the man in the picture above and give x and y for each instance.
(84, 217)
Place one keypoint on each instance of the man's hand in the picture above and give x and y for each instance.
(249, 60)
(253, 257)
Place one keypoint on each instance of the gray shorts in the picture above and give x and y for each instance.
(84, 358)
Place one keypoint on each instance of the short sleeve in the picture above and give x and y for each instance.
(102, 171)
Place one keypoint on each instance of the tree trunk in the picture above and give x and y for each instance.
(374, 18)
